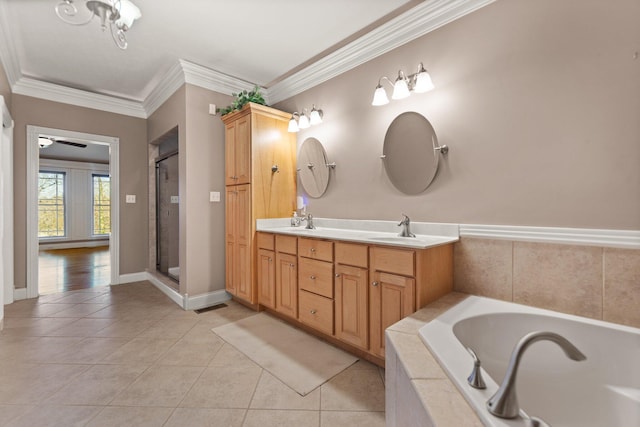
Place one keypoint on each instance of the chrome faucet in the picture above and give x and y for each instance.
(504, 403)
(405, 223)
(309, 219)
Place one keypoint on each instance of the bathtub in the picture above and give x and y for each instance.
(603, 391)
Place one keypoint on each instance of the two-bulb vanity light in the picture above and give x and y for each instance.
(302, 121)
(418, 82)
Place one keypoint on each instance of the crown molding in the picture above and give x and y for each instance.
(627, 239)
(82, 98)
(8, 55)
(406, 27)
(169, 84)
(213, 80)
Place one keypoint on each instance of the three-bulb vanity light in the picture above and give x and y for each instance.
(418, 82)
(302, 121)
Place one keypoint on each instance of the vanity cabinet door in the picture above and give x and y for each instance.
(391, 298)
(266, 278)
(352, 305)
(238, 151)
(238, 241)
(287, 284)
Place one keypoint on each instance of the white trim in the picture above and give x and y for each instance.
(132, 277)
(68, 245)
(66, 95)
(206, 300)
(626, 239)
(414, 23)
(8, 54)
(173, 295)
(19, 294)
(32, 168)
(168, 85)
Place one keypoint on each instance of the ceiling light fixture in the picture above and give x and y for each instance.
(302, 121)
(118, 14)
(418, 82)
(44, 142)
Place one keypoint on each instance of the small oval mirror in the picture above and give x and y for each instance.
(408, 153)
(312, 168)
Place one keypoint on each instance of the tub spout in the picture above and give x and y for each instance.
(504, 403)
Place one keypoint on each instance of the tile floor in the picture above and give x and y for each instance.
(127, 356)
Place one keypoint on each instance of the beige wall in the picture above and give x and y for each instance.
(5, 88)
(538, 100)
(201, 146)
(133, 174)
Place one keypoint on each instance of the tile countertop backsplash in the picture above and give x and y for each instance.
(367, 231)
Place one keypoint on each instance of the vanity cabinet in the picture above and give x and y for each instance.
(266, 270)
(260, 178)
(350, 293)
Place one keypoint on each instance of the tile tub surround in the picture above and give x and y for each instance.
(598, 282)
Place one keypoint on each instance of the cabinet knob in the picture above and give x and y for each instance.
(337, 274)
(291, 265)
(313, 311)
(312, 277)
(375, 283)
(270, 260)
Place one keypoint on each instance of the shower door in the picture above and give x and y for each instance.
(167, 216)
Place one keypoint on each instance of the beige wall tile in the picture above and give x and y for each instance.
(445, 404)
(622, 286)
(564, 278)
(483, 267)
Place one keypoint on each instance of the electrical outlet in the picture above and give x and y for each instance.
(131, 198)
(214, 196)
(175, 199)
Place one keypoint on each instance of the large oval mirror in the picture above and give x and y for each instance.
(312, 168)
(409, 156)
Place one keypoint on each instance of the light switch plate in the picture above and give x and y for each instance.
(131, 198)
(214, 196)
(175, 199)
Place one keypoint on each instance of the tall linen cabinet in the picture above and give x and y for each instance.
(260, 179)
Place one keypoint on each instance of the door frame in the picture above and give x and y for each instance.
(33, 167)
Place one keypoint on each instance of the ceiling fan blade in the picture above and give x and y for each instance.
(73, 144)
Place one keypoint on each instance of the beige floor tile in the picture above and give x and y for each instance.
(228, 355)
(98, 385)
(35, 310)
(56, 416)
(189, 353)
(32, 383)
(11, 412)
(140, 350)
(129, 417)
(89, 350)
(45, 348)
(76, 297)
(80, 310)
(199, 417)
(271, 393)
(352, 419)
(159, 386)
(276, 418)
(169, 329)
(81, 328)
(130, 328)
(228, 386)
(201, 333)
(33, 326)
(353, 389)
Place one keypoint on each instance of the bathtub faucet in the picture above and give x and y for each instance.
(504, 403)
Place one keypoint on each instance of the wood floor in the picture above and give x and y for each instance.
(72, 269)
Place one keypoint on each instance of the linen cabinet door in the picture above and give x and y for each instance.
(266, 278)
(243, 264)
(287, 284)
(231, 207)
(391, 298)
(352, 305)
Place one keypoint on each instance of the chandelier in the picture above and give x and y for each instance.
(117, 14)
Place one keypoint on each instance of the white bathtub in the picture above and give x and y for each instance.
(603, 391)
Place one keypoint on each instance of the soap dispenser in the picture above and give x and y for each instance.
(295, 220)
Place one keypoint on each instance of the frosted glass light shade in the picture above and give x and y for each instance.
(44, 142)
(129, 12)
(400, 89)
(303, 122)
(380, 96)
(423, 82)
(293, 125)
(315, 118)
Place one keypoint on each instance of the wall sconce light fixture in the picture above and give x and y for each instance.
(418, 82)
(302, 121)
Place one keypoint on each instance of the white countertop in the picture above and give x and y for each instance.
(366, 231)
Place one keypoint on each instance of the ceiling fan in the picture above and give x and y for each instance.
(45, 141)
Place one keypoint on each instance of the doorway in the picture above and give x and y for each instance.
(167, 216)
(110, 214)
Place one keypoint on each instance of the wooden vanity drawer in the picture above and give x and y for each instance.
(286, 244)
(315, 276)
(316, 249)
(352, 254)
(266, 241)
(393, 260)
(316, 311)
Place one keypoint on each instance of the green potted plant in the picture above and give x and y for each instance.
(243, 98)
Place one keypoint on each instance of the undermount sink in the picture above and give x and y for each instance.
(395, 239)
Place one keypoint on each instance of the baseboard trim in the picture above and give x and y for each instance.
(168, 291)
(19, 293)
(72, 245)
(206, 300)
(624, 239)
(132, 277)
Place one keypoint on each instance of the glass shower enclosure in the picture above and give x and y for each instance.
(167, 216)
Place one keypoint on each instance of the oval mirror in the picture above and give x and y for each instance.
(409, 156)
(312, 168)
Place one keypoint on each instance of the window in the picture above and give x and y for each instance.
(51, 204)
(101, 204)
